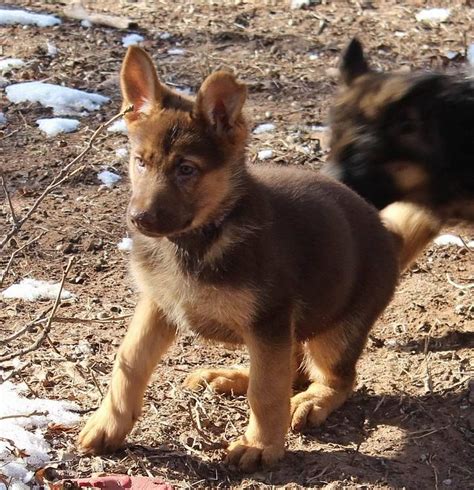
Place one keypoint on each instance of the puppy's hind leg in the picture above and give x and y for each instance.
(330, 361)
(223, 381)
(147, 339)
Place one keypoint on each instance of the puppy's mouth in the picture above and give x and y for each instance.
(160, 232)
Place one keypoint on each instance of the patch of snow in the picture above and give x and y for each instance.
(433, 15)
(108, 178)
(265, 154)
(3, 119)
(8, 17)
(33, 290)
(451, 55)
(176, 51)
(131, 40)
(165, 35)
(317, 127)
(470, 54)
(264, 128)
(57, 125)
(86, 23)
(118, 126)
(52, 49)
(299, 4)
(63, 100)
(313, 56)
(400, 33)
(25, 432)
(449, 239)
(125, 244)
(183, 90)
(121, 152)
(9, 63)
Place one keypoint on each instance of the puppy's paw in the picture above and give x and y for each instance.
(307, 412)
(223, 381)
(104, 432)
(250, 456)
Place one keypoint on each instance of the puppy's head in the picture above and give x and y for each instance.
(385, 136)
(186, 155)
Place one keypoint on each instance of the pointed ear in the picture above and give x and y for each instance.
(139, 83)
(353, 63)
(220, 100)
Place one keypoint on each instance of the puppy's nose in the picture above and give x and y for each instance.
(141, 219)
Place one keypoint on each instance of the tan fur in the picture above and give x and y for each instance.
(223, 381)
(413, 225)
(409, 177)
(147, 339)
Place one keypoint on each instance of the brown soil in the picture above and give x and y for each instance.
(410, 421)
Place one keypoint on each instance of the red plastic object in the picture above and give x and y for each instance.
(117, 482)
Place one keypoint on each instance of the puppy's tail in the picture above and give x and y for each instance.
(413, 227)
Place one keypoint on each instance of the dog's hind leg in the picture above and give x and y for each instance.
(330, 361)
(147, 339)
(223, 381)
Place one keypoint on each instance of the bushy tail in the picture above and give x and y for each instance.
(413, 227)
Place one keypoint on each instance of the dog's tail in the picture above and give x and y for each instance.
(413, 227)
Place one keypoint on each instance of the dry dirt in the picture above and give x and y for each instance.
(410, 421)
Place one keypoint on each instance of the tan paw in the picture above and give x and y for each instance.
(306, 411)
(249, 457)
(223, 381)
(104, 432)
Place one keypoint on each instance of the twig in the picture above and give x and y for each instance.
(12, 256)
(36, 413)
(60, 178)
(459, 286)
(7, 195)
(47, 327)
(24, 329)
(72, 319)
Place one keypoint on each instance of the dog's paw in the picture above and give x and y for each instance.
(249, 457)
(223, 381)
(104, 432)
(308, 410)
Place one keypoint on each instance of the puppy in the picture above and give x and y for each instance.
(404, 137)
(291, 264)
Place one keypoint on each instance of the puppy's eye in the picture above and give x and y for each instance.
(186, 170)
(139, 162)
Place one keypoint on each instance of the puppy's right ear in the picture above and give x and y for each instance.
(139, 83)
(353, 63)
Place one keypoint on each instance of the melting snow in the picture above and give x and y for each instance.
(265, 154)
(3, 119)
(118, 126)
(449, 239)
(433, 15)
(264, 128)
(51, 49)
(165, 35)
(108, 178)
(57, 125)
(131, 40)
(27, 18)
(121, 152)
(125, 244)
(176, 51)
(63, 100)
(86, 23)
(9, 63)
(33, 290)
(470, 54)
(25, 432)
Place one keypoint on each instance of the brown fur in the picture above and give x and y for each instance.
(294, 265)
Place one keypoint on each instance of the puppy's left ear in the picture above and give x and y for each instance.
(220, 100)
(353, 63)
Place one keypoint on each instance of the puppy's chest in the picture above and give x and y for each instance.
(217, 312)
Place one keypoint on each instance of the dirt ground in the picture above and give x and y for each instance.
(410, 421)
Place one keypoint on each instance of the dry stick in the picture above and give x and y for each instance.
(12, 256)
(72, 319)
(7, 194)
(47, 327)
(24, 329)
(36, 413)
(459, 286)
(60, 178)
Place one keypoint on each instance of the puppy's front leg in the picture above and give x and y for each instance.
(269, 399)
(147, 339)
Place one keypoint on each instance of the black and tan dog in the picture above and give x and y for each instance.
(295, 266)
(404, 137)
